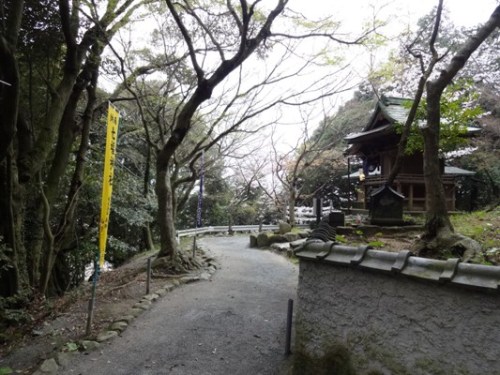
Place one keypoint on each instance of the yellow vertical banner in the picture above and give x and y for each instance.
(107, 179)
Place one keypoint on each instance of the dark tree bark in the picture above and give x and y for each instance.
(9, 74)
(437, 219)
(439, 234)
(147, 234)
(56, 271)
(68, 131)
(13, 275)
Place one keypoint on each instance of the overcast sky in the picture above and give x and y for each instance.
(462, 12)
(353, 14)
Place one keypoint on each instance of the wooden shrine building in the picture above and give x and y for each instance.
(376, 146)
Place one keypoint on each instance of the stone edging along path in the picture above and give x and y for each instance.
(62, 358)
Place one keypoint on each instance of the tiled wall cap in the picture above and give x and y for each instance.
(308, 246)
(450, 269)
(401, 260)
(360, 253)
(378, 260)
(341, 254)
(477, 275)
(424, 268)
(326, 250)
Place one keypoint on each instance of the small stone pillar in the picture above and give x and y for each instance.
(336, 219)
(318, 209)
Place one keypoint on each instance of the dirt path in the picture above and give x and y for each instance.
(233, 324)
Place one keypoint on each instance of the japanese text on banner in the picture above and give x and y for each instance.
(107, 179)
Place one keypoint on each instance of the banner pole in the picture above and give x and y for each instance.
(194, 244)
(95, 278)
(112, 121)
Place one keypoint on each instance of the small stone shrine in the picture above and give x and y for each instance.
(386, 206)
(336, 219)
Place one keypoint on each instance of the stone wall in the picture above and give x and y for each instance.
(387, 313)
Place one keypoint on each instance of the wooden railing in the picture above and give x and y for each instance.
(405, 178)
(411, 203)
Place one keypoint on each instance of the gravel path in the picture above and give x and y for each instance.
(233, 324)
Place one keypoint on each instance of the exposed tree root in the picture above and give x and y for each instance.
(180, 263)
(168, 276)
(493, 206)
(447, 244)
(123, 285)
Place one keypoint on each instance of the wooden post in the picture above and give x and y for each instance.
(95, 279)
(348, 185)
(410, 198)
(289, 316)
(148, 276)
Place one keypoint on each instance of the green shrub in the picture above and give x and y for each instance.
(340, 238)
(376, 244)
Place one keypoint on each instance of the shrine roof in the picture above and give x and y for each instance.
(392, 109)
(448, 171)
(389, 110)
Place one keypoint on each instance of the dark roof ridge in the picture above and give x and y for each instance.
(382, 103)
(396, 100)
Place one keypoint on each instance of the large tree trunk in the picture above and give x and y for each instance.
(147, 234)
(168, 242)
(13, 273)
(148, 237)
(169, 258)
(437, 216)
(58, 269)
(439, 236)
(30, 166)
(183, 123)
(437, 220)
(65, 140)
(68, 131)
(164, 191)
(9, 73)
(291, 206)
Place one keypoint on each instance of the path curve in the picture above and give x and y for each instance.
(233, 324)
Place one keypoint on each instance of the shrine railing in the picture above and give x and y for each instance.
(405, 178)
